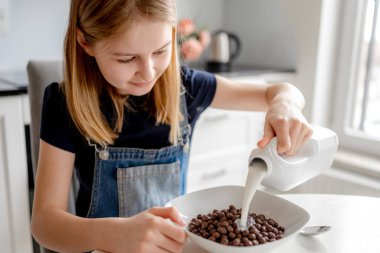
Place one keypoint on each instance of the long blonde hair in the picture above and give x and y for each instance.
(83, 83)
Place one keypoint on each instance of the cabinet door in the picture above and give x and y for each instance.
(220, 130)
(14, 200)
(228, 169)
(221, 145)
(5, 227)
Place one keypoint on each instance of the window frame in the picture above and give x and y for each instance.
(348, 53)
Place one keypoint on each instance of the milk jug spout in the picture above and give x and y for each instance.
(286, 172)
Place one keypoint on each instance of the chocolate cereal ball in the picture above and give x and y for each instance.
(221, 226)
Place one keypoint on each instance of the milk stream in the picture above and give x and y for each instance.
(256, 173)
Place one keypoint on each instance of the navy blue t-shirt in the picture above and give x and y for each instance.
(139, 127)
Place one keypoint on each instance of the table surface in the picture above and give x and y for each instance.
(354, 219)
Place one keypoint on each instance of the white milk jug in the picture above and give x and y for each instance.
(285, 172)
(281, 172)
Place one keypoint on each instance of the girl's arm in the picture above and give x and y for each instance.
(283, 103)
(54, 228)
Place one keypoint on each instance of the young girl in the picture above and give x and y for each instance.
(123, 117)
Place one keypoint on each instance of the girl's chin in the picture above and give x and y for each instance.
(135, 91)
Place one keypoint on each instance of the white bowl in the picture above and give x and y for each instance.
(288, 215)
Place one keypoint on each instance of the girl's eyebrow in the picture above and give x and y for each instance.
(129, 54)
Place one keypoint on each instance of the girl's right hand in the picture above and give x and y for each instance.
(148, 231)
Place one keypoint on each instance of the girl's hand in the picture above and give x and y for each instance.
(148, 231)
(289, 125)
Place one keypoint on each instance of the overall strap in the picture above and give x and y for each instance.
(185, 127)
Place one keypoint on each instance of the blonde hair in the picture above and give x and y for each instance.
(83, 83)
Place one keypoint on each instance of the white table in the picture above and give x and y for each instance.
(355, 225)
(354, 219)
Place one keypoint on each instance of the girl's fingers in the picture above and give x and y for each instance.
(301, 136)
(168, 244)
(168, 213)
(296, 136)
(281, 128)
(160, 250)
(298, 143)
(268, 135)
(169, 228)
(151, 248)
(173, 231)
(308, 134)
(291, 134)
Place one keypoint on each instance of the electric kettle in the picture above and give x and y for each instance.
(224, 48)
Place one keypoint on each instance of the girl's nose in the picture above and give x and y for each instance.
(147, 70)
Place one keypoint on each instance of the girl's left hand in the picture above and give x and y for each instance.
(287, 122)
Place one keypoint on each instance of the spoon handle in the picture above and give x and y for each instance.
(314, 230)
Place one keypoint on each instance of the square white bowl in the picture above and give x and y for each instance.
(288, 215)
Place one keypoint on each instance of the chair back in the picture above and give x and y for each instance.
(41, 73)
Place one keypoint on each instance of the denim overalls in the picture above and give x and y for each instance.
(132, 180)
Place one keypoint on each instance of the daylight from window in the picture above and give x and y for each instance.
(367, 101)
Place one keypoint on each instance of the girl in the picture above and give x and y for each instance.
(123, 117)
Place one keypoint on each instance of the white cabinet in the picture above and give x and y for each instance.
(221, 144)
(15, 234)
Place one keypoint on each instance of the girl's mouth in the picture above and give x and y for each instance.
(140, 83)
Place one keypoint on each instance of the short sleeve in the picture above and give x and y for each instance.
(200, 90)
(56, 125)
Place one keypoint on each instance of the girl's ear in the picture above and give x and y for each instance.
(83, 43)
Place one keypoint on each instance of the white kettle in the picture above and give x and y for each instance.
(225, 47)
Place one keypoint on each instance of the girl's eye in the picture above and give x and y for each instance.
(127, 60)
(160, 52)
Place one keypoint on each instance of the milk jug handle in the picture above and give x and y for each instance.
(271, 156)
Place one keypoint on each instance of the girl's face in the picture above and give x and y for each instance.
(134, 60)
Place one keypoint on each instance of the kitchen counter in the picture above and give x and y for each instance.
(248, 71)
(13, 83)
(9, 90)
(353, 219)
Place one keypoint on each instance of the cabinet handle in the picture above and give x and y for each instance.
(215, 174)
(215, 118)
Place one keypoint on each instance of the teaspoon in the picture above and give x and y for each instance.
(314, 230)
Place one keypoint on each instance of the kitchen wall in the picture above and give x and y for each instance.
(262, 25)
(208, 14)
(291, 34)
(268, 39)
(275, 33)
(35, 30)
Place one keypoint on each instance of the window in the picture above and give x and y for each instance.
(367, 100)
(357, 115)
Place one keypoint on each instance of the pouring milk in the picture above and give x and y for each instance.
(282, 173)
